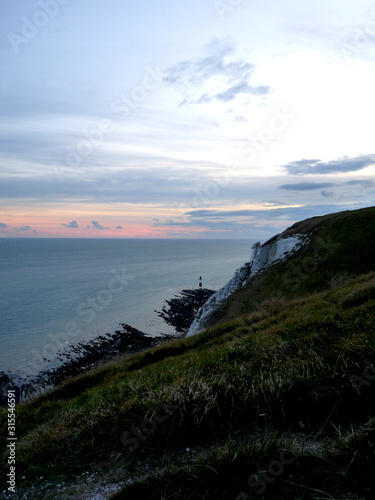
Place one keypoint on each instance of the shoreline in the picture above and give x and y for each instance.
(178, 312)
(79, 358)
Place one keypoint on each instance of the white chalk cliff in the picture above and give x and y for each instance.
(262, 256)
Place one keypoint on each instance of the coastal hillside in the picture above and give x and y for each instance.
(325, 250)
(276, 401)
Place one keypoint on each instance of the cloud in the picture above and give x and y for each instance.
(241, 119)
(229, 78)
(3, 226)
(71, 224)
(341, 165)
(171, 223)
(310, 186)
(195, 71)
(292, 213)
(327, 194)
(247, 219)
(137, 183)
(306, 186)
(97, 225)
(24, 228)
(366, 184)
(241, 88)
(119, 227)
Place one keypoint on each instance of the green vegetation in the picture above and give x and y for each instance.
(294, 379)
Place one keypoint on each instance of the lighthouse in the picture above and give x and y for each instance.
(200, 283)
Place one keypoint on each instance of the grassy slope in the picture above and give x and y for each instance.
(288, 373)
(276, 379)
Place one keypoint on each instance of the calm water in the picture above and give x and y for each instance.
(57, 292)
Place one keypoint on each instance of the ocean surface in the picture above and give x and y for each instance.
(58, 292)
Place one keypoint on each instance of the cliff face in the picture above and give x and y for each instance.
(262, 256)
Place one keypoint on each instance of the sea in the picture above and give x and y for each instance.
(55, 293)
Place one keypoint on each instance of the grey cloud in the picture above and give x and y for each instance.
(24, 228)
(310, 186)
(148, 186)
(195, 73)
(202, 100)
(50, 149)
(28, 144)
(341, 165)
(119, 227)
(241, 119)
(261, 221)
(305, 186)
(168, 181)
(172, 223)
(366, 184)
(133, 185)
(327, 194)
(242, 88)
(97, 225)
(297, 213)
(72, 224)
(222, 225)
(3, 226)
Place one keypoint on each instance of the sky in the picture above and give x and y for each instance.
(203, 119)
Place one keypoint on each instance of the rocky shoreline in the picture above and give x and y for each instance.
(181, 310)
(178, 312)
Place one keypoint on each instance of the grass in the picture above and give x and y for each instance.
(276, 379)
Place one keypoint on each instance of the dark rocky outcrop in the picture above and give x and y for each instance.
(181, 310)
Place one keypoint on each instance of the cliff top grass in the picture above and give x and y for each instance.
(287, 380)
